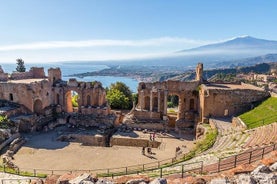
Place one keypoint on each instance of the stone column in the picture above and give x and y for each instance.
(165, 102)
(151, 101)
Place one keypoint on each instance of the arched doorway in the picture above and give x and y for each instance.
(72, 99)
(172, 109)
(38, 106)
(173, 103)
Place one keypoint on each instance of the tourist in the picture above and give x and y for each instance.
(143, 150)
(154, 135)
(149, 150)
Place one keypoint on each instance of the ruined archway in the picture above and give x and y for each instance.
(147, 103)
(72, 99)
(173, 103)
(172, 109)
(38, 106)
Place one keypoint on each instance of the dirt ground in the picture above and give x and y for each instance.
(42, 151)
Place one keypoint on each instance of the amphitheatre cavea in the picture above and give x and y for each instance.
(50, 135)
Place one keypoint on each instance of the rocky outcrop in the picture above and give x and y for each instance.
(4, 134)
(8, 141)
(159, 181)
(81, 179)
(16, 144)
(262, 174)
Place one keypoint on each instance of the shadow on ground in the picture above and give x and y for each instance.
(44, 140)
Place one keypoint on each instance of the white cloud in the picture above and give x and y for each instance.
(155, 42)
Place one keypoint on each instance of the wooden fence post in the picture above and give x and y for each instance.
(218, 167)
(263, 153)
(235, 162)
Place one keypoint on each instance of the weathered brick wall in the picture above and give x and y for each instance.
(228, 102)
(146, 115)
(33, 73)
(4, 77)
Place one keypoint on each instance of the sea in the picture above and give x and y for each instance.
(76, 68)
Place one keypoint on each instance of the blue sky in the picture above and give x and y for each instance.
(59, 30)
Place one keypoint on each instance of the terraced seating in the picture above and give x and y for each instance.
(229, 138)
(262, 136)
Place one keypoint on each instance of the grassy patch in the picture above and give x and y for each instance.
(264, 114)
(208, 141)
(21, 173)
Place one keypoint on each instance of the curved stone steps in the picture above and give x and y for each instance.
(262, 136)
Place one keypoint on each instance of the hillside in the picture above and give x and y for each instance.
(214, 74)
(263, 114)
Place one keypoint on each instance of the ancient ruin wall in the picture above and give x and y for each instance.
(33, 73)
(152, 98)
(34, 96)
(228, 102)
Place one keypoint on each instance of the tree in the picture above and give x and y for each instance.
(117, 99)
(120, 96)
(74, 100)
(20, 65)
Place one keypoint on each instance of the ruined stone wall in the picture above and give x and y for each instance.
(146, 114)
(92, 120)
(91, 97)
(54, 75)
(152, 97)
(220, 102)
(4, 76)
(124, 141)
(91, 140)
(33, 73)
(27, 94)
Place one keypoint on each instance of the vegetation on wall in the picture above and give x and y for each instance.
(4, 122)
(263, 114)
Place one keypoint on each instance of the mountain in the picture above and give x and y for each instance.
(268, 58)
(239, 51)
(243, 44)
